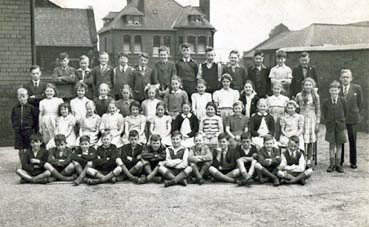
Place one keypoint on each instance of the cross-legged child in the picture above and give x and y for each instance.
(269, 159)
(200, 99)
(113, 122)
(135, 121)
(281, 73)
(175, 168)
(103, 73)
(24, 117)
(187, 124)
(249, 99)
(82, 158)
(103, 100)
(64, 77)
(236, 124)
(161, 124)
(78, 104)
(224, 167)
(32, 163)
(153, 155)
(211, 126)
(124, 103)
(237, 72)
(175, 98)
(292, 124)
(59, 161)
(334, 112)
(292, 167)
(122, 74)
(90, 124)
(248, 159)
(210, 71)
(200, 158)
(130, 158)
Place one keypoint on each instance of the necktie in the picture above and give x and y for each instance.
(36, 84)
(345, 91)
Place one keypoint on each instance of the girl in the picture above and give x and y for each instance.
(149, 105)
(136, 121)
(236, 124)
(309, 103)
(211, 125)
(175, 98)
(103, 100)
(113, 122)
(334, 113)
(292, 124)
(48, 113)
(126, 100)
(90, 123)
(249, 99)
(187, 124)
(200, 99)
(78, 104)
(161, 124)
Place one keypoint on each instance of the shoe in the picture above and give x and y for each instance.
(302, 181)
(201, 181)
(113, 180)
(22, 181)
(340, 169)
(353, 166)
(134, 179)
(93, 181)
(331, 168)
(157, 180)
(241, 182)
(276, 182)
(141, 180)
(183, 182)
(169, 183)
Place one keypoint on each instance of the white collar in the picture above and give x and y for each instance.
(186, 116)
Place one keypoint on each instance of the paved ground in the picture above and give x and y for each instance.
(327, 200)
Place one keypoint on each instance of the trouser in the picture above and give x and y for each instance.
(352, 134)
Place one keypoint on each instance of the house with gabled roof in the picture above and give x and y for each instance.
(145, 25)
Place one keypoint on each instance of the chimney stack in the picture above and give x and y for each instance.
(205, 8)
(141, 5)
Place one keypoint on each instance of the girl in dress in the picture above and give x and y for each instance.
(211, 125)
(113, 122)
(161, 124)
(135, 121)
(48, 113)
(78, 104)
(175, 97)
(187, 124)
(309, 103)
(90, 123)
(249, 99)
(124, 103)
(292, 124)
(200, 99)
(149, 105)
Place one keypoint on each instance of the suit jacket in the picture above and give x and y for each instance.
(239, 76)
(38, 92)
(67, 83)
(298, 78)
(99, 77)
(163, 72)
(260, 79)
(135, 154)
(88, 79)
(275, 155)
(354, 101)
(139, 80)
(335, 114)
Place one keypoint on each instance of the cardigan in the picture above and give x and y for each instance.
(255, 122)
(194, 124)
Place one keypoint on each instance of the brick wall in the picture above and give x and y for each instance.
(15, 58)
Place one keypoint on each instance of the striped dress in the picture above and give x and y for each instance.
(211, 127)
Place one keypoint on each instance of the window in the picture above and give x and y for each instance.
(127, 44)
(201, 45)
(210, 41)
(138, 44)
(105, 44)
(191, 41)
(129, 19)
(136, 20)
(195, 19)
(167, 43)
(155, 46)
(180, 42)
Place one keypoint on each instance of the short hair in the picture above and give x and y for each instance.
(237, 103)
(63, 56)
(123, 54)
(161, 103)
(278, 84)
(84, 138)
(134, 104)
(281, 54)
(132, 133)
(309, 79)
(35, 137)
(201, 81)
(268, 138)
(83, 57)
(245, 135)
(344, 71)
(223, 135)
(226, 76)
(60, 138)
(163, 49)
(258, 53)
(52, 86)
(152, 87)
(234, 52)
(304, 54)
(104, 85)
(262, 100)
(90, 102)
(80, 85)
(176, 78)
(155, 137)
(143, 55)
(126, 86)
(251, 83)
(335, 84)
(22, 90)
(295, 139)
(212, 104)
(103, 53)
(185, 45)
(209, 49)
(292, 102)
(176, 133)
(197, 134)
(64, 105)
(33, 67)
(106, 133)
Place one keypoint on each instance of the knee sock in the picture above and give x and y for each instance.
(153, 173)
(204, 169)
(218, 175)
(196, 172)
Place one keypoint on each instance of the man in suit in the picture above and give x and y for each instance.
(259, 75)
(353, 95)
(303, 70)
(35, 87)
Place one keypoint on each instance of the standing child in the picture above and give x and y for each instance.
(113, 122)
(211, 126)
(35, 87)
(175, 168)
(24, 117)
(225, 97)
(248, 159)
(249, 98)
(124, 103)
(309, 103)
(175, 98)
(187, 124)
(334, 112)
(200, 99)
(122, 74)
(64, 77)
(258, 73)
(135, 121)
(78, 104)
(90, 123)
(82, 158)
(236, 124)
(103, 73)
(83, 74)
(161, 124)
(200, 158)
(149, 105)
(292, 124)
(210, 71)
(48, 113)
(281, 74)
(237, 72)
(103, 100)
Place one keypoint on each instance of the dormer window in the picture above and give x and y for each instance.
(107, 21)
(133, 20)
(195, 19)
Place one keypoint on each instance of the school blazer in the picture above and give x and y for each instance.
(139, 80)
(354, 101)
(87, 80)
(298, 78)
(100, 77)
(335, 114)
(261, 82)
(38, 92)
(275, 156)
(127, 151)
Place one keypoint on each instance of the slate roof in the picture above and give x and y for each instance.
(64, 27)
(182, 19)
(111, 15)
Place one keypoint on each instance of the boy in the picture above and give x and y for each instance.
(102, 73)
(292, 167)
(281, 73)
(141, 78)
(152, 156)
(269, 159)
(187, 70)
(104, 166)
(82, 158)
(352, 93)
(35, 87)
(33, 160)
(259, 75)
(59, 160)
(83, 74)
(175, 167)
(163, 72)
(130, 158)
(24, 117)
(237, 72)
(122, 74)
(210, 71)
(224, 161)
(64, 77)
(103, 100)
(200, 158)
(248, 159)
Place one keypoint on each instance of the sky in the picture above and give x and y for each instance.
(242, 24)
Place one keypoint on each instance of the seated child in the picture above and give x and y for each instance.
(224, 167)
(211, 125)
(175, 168)
(269, 159)
(292, 167)
(32, 161)
(161, 124)
(292, 124)
(124, 103)
(82, 158)
(249, 98)
(59, 161)
(175, 97)
(78, 104)
(200, 99)
(113, 122)
(130, 158)
(236, 124)
(135, 121)
(90, 124)
(248, 159)
(103, 100)
(187, 124)
(148, 106)
(200, 158)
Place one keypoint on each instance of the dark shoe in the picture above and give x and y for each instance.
(340, 169)
(331, 168)
(353, 166)
(169, 183)
(302, 181)
(142, 180)
(276, 182)
(134, 179)
(113, 180)
(23, 181)
(93, 181)
(241, 182)
(157, 180)
(183, 182)
(201, 181)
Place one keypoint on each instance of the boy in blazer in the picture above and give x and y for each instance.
(83, 74)
(259, 75)
(122, 74)
(103, 73)
(64, 77)
(35, 87)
